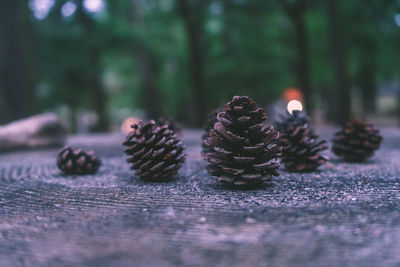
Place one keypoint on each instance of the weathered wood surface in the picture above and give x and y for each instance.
(346, 214)
(41, 130)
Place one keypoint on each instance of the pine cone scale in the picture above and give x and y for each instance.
(232, 171)
(266, 165)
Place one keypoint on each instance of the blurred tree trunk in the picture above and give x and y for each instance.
(398, 101)
(228, 28)
(296, 12)
(94, 79)
(99, 94)
(367, 83)
(149, 73)
(17, 59)
(329, 96)
(342, 106)
(148, 68)
(74, 79)
(193, 19)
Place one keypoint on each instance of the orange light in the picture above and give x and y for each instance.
(292, 93)
(126, 124)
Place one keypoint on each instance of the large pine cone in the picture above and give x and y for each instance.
(357, 141)
(300, 143)
(209, 124)
(77, 161)
(244, 151)
(154, 151)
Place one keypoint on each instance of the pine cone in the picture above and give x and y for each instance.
(243, 149)
(357, 141)
(154, 151)
(300, 146)
(288, 120)
(211, 120)
(172, 125)
(77, 161)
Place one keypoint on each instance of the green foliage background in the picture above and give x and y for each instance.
(248, 49)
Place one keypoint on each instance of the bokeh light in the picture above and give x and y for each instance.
(294, 105)
(94, 6)
(68, 9)
(397, 19)
(41, 8)
(126, 124)
(292, 93)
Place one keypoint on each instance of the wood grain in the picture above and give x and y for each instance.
(345, 214)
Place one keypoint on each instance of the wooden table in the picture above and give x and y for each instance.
(346, 214)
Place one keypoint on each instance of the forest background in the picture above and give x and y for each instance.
(97, 62)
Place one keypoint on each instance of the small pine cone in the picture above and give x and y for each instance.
(172, 125)
(357, 141)
(244, 151)
(300, 143)
(154, 151)
(287, 121)
(77, 161)
(211, 120)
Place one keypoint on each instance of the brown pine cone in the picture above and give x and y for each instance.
(154, 151)
(211, 120)
(172, 125)
(287, 121)
(357, 141)
(243, 149)
(77, 161)
(300, 143)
